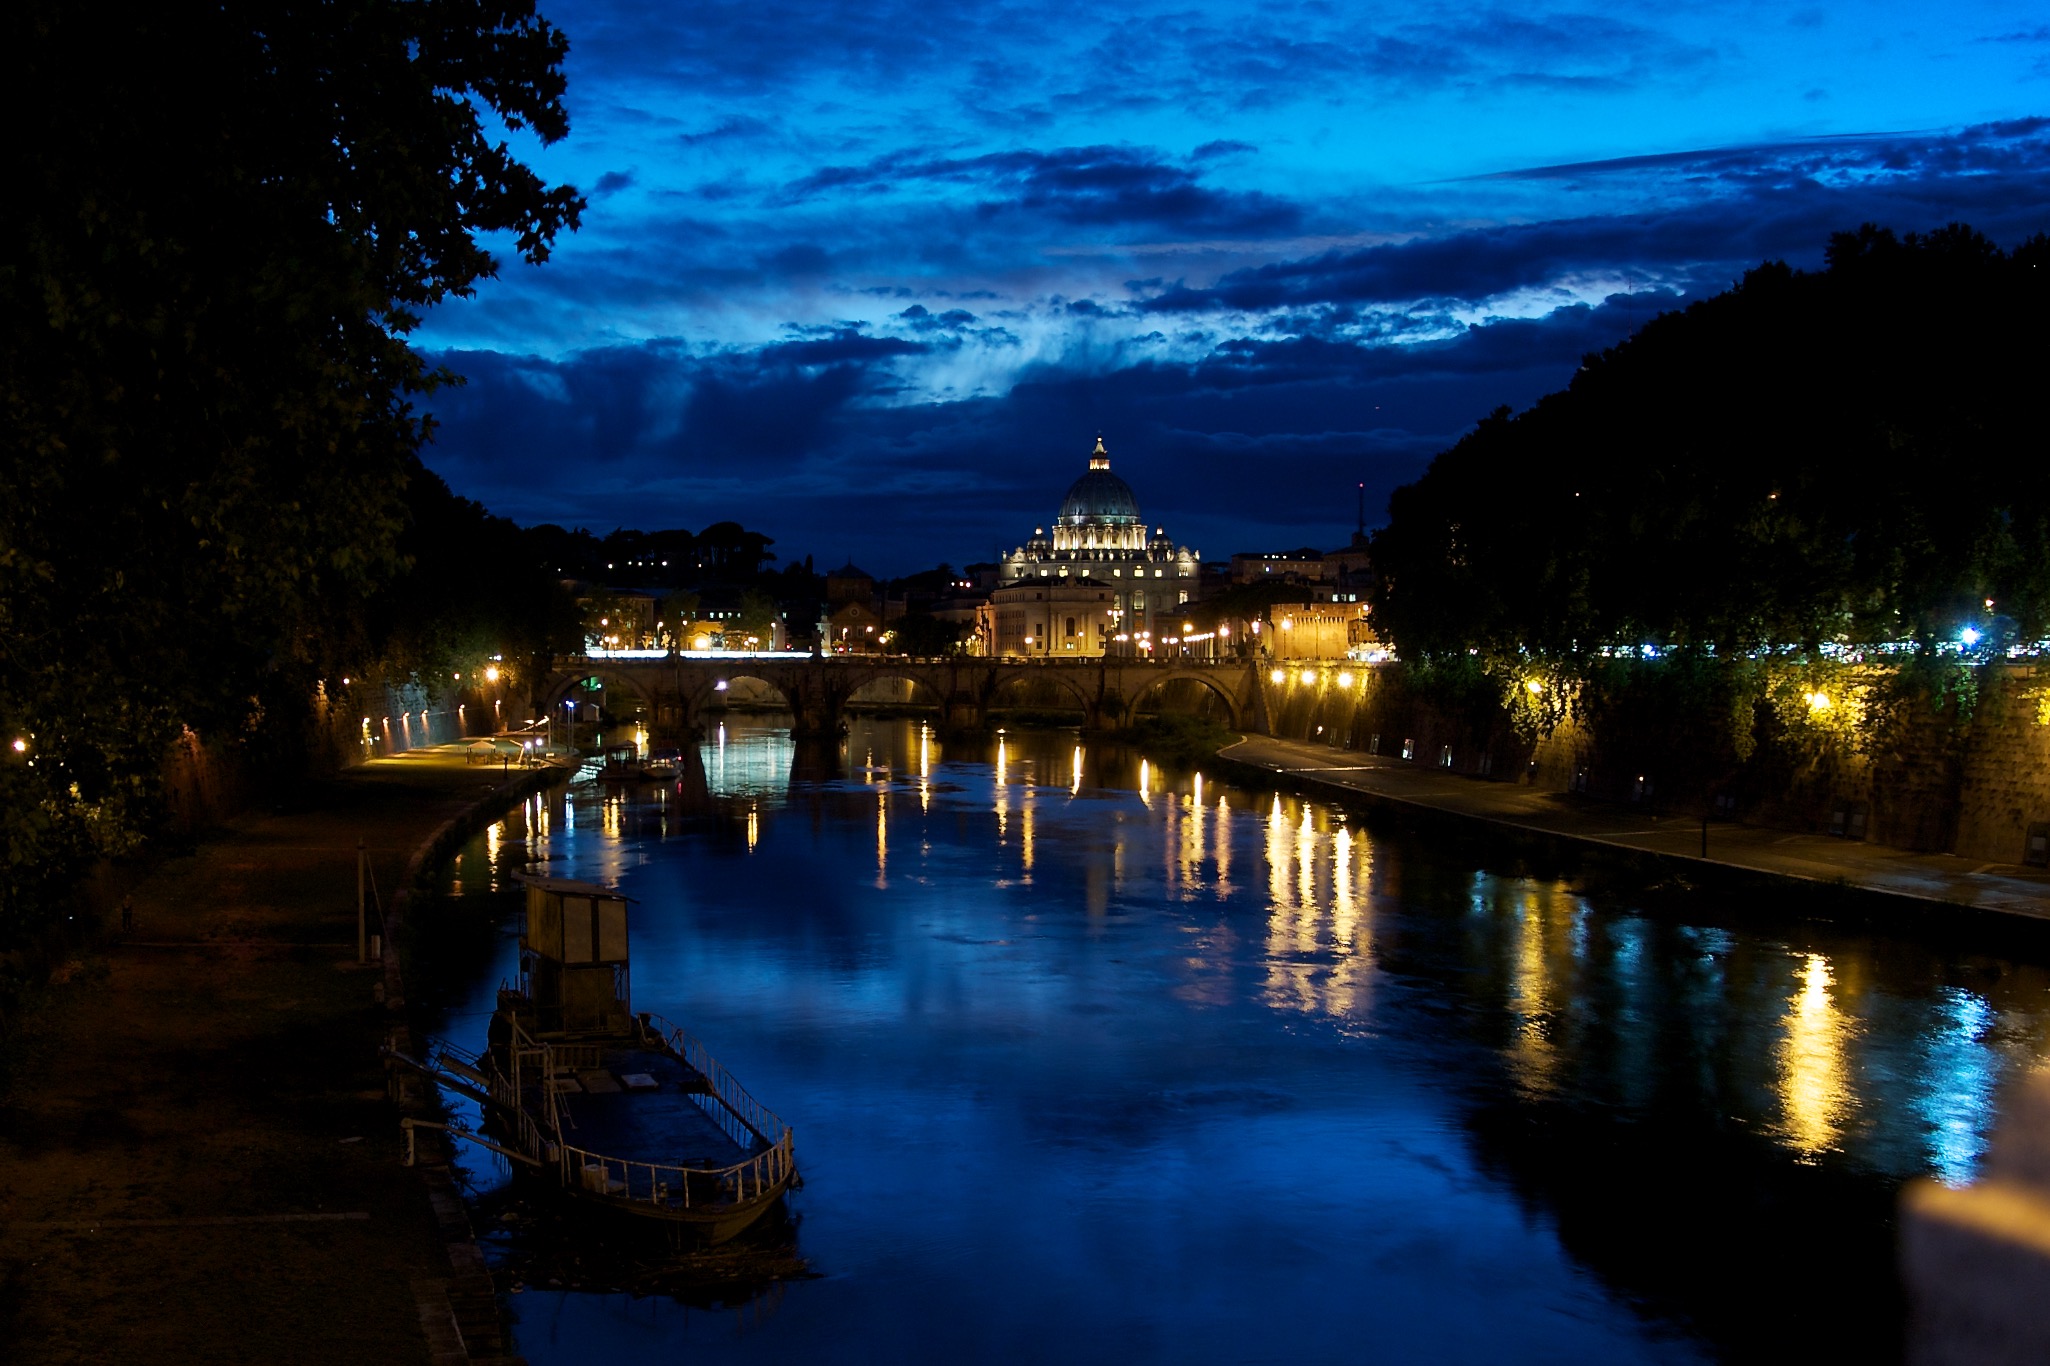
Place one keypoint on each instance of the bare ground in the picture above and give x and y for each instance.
(197, 1157)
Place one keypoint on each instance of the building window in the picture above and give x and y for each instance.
(1071, 626)
(1158, 573)
(1184, 597)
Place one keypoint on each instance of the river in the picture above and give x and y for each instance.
(1092, 1062)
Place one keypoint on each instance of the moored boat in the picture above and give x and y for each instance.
(622, 1112)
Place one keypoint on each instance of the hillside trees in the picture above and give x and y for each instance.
(223, 222)
(1850, 455)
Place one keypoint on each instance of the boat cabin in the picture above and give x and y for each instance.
(574, 964)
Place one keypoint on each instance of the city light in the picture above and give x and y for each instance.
(1277, 677)
(20, 745)
(1533, 687)
(1970, 636)
(1309, 676)
(1817, 701)
(1345, 680)
(490, 674)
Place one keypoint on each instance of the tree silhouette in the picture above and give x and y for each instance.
(1848, 455)
(224, 220)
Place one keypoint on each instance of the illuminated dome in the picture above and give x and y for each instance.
(1099, 498)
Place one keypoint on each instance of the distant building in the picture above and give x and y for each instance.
(1285, 566)
(1066, 616)
(1123, 589)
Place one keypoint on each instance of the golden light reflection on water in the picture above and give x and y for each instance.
(1003, 799)
(1075, 787)
(1533, 1055)
(1224, 890)
(1319, 933)
(754, 826)
(1814, 1094)
(883, 835)
(1279, 894)
(1025, 807)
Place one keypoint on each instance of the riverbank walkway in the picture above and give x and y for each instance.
(2008, 889)
(198, 1161)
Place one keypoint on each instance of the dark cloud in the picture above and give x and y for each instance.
(610, 183)
(727, 129)
(807, 437)
(1774, 202)
(1102, 186)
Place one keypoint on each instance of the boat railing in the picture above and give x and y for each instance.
(664, 1184)
(744, 1119)
(504, 1093)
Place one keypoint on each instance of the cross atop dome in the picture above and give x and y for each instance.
(1099, 459)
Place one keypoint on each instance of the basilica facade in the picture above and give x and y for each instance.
(1099, 584)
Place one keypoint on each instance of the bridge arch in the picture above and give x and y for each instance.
(1006, 680)
(709, 691)
(562, 682)
(1208, 679)
(925, 692)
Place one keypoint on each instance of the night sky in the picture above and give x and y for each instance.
(871, 278)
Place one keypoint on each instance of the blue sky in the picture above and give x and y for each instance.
(871, 278)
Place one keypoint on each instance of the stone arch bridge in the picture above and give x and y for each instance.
(1109, 690)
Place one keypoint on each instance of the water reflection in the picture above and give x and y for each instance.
(748, 759)
(1813, 1091)
(1046, 985)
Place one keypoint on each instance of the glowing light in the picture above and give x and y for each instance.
(1308, 676)
(1817, 701)
(1970, 636)
(20, 745)
(1533, 687)
(1814, 1088)
(1345, 679)
(490, 674)
(1277, 677)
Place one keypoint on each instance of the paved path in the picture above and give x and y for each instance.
(197, 1158)
(2006, 888)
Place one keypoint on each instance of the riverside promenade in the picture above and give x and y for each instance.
(2007, 889)
(198, 1159)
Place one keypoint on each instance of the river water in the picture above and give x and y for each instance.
(1092, 1062)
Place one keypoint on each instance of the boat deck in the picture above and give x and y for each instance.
(610, 1113)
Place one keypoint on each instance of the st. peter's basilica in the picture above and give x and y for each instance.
(1099, 584)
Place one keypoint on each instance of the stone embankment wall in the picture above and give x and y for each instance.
(207, 778)
(1964, 768)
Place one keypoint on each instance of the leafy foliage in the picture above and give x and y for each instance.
(223, 222)
(1853, 454)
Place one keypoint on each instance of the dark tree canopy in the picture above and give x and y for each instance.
(1853, 454)
(223, 220)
